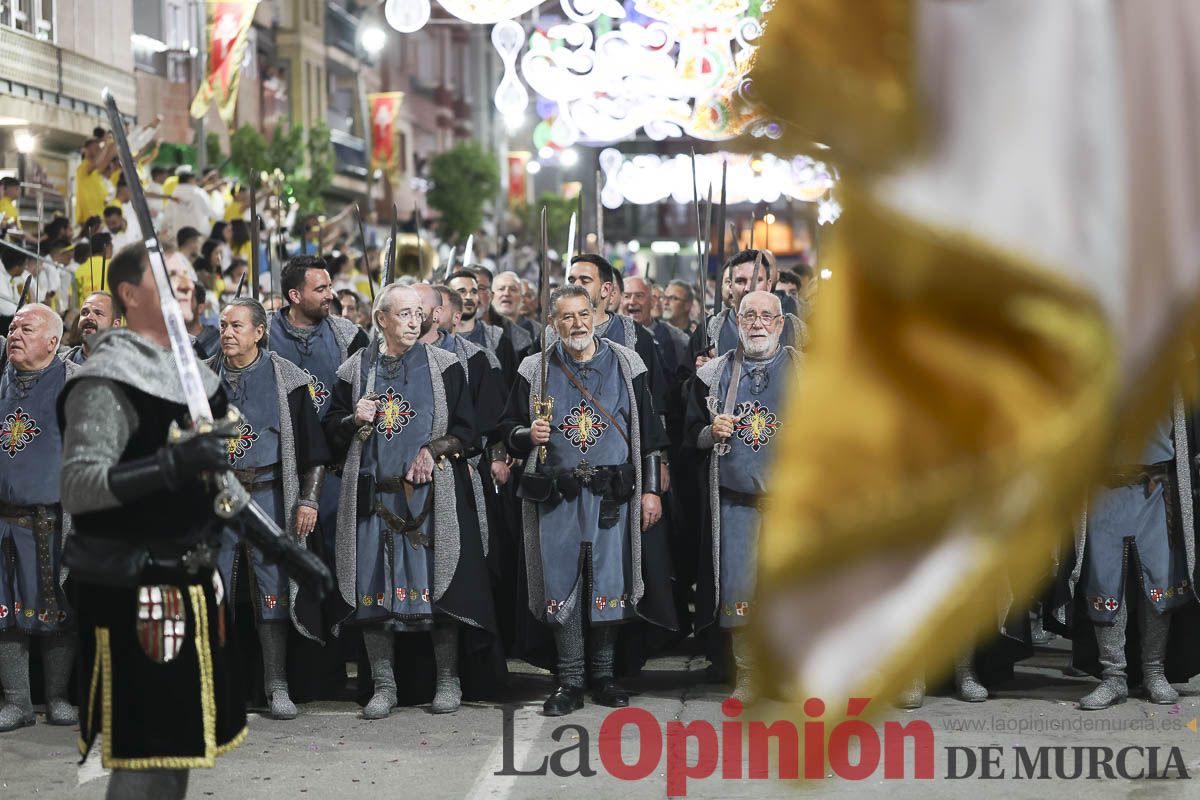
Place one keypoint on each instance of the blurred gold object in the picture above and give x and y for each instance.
(414, 257)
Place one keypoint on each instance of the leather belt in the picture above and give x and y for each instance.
(744, 498)
(1147, 476)
(251, 479)
(25, 516)
(408, 528)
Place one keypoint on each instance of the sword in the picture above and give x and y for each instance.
(24, 295)
(389, 265)
(543, 403)
(231, 499)
(449, 264)
(255, 267)
(469, 252)
(241, 285)
(582, 217)
(420, 255)
(366, 265)
(718, 299)
(700, 270)
(599, 218)
(571, 231)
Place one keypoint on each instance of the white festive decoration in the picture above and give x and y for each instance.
(590, 10)
(508, 37)
(828, 210)
(650, 179)
(487, 12)
(407, 16)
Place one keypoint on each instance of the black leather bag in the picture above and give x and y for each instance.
(103, 561)
(537, 488)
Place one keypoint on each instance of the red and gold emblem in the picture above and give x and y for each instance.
(161, 622)
(17, 431)
(392, 413)
(755, 425)
(583, 427)
(316, 390)
(240, 445)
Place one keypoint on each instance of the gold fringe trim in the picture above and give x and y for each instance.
(238, 738)
(86, 720)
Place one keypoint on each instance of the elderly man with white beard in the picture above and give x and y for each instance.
(733, 414)
(591, 487)
(508, 301)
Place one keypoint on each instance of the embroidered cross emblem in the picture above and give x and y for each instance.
(240, 445)
(756, 424)
(17, 431)
(583, 427)
(393, 412)
(316, 390)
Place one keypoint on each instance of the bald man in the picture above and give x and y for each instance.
(32, 603)
(736, 428)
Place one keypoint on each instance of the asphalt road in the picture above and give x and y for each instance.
(329, 752)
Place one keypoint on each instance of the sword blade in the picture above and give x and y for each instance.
(181, 345)
(255, 267)
(24, 294)
(700, 270)
(599, 217)
(362, 234)
(718, 300)
(469, 252)
(571, 238)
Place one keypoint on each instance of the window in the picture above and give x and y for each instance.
(34, 17)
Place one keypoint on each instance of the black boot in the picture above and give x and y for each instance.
(564, 700)
(605, 692)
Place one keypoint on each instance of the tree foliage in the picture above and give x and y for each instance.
(558, 220)
(462, 181)
(247, 152)
(212, 150)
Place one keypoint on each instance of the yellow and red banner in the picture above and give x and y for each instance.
(228, 31)
(385, 110)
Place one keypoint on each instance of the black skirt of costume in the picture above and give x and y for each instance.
(180, 714)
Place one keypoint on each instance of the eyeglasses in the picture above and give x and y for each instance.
(751, 318)
(409, 315)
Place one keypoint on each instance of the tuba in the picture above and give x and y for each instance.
(415, 256)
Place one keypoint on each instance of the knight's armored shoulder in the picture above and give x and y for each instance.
(289, 376)
(349, 369)
(441, 359)
(529, 367)
(710, 373)
(636, 365)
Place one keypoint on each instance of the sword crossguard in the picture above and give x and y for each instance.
(364, 432)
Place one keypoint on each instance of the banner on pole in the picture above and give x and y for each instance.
(385, 110)
(228, 24)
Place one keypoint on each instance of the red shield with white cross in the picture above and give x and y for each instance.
(161, 622)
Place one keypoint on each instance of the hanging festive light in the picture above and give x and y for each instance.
(828, 210)
(648, 179)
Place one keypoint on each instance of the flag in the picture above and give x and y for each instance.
(1011, 296)
(385, 108)
(228, 29)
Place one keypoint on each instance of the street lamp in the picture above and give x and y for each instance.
(373, 39)
(26, 142)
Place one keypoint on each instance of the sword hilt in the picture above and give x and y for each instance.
(543, 408)
(231, 497)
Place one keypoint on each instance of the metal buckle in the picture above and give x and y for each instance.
(585, 472)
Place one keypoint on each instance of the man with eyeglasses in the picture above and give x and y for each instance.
(590, 489)
(736, 426)
(410, 551)
(474, 328)
(749, 270)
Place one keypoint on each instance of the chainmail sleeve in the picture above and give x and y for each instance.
(99, 423)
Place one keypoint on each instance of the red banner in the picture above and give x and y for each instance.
(517, 182)
(228, 29)
(385, 110)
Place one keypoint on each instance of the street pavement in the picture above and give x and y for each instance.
(329, 752)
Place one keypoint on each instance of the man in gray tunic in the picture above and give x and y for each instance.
(31, 522)
(1138, 549)
(279, 456)
(410, 552)
(737, 428)
(588, 499)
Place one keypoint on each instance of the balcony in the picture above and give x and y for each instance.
(49, 74)
(350, 152)
(341, 29)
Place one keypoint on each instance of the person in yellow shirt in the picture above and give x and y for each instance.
(92, 275)
(91, 193)
(10, 193)
(238, 206)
